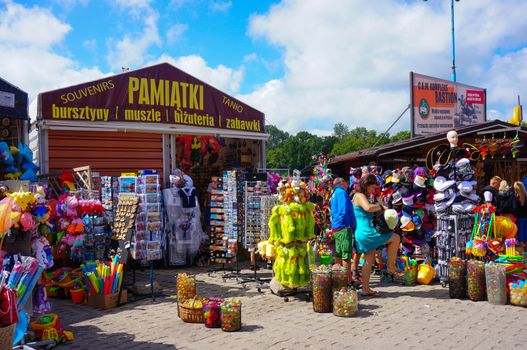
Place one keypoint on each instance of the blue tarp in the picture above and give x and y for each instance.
(19, 109)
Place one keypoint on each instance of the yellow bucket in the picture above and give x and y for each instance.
(425, 274)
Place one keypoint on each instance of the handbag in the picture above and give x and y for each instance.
(379, 223)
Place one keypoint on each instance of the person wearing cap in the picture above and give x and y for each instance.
(343, 224)
(489, 194)
(367, 238)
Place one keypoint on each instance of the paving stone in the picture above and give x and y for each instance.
(421, 317)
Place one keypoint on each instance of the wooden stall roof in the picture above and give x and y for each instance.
(370, 154)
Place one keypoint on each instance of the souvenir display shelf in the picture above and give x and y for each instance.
(254, 192)
(452, 233)
(148, 224)
(218, 245)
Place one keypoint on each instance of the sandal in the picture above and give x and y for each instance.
(372, 294)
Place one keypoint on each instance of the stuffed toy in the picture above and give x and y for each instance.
(184, 150)
(70, 206)
(42, 251)
(27, 222)
(68, 182)
(287, 225)
(42, 213)
(77, 249)
(23, 199)
(275, 230)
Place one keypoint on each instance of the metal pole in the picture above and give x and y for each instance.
(453, 43)
(391, 126)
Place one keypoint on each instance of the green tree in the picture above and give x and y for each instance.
(401, 135)
(276, 136)
(340, 130)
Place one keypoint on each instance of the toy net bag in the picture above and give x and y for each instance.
(496, 283)
(476, 288)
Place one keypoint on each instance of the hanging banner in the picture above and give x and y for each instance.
(160, 94)
(440, 105)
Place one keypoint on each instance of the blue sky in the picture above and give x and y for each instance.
(305, 63)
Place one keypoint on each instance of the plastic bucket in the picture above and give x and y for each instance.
(77, 296)
(326, 260)
(425, 274)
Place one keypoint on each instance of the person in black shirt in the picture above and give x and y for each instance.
(521, 214)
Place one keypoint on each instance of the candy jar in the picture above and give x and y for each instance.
(186, 286)
(231, 315)
(476, 288)
(457, 278)
(321, 286)
(496, 283)
(518, 293)
(345, 302)
(339, 277)
(211, 312)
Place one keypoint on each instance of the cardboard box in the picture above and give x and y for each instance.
(107, 301)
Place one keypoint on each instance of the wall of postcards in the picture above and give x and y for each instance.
(148, 225)
(254, 192)
(233, 208)
(218, 246)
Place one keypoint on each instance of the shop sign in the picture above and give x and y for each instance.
(440, 105)
(7, 99)
(160, 94)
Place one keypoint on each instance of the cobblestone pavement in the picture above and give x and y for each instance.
(421, 317)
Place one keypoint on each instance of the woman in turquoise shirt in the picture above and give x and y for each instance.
(368, 239)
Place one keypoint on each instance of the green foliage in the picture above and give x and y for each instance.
(296, 151)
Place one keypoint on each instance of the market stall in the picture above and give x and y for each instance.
(155, 119)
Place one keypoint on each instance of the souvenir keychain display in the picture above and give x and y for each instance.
(125, 215)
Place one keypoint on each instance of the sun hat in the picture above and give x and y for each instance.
(471, 196)
(420, 181)
(420, 171)
(405, 221)
(466, 186)
(463, 165)
(410, 226)
(396, 197)
(391, 218)
(408, 201)
(441, 184)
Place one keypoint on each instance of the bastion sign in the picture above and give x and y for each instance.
(160, 94)
(440, 105)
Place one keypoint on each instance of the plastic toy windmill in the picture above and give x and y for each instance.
(493, 147)
(484, 148)
(516, 144)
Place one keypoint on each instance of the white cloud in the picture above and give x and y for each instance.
(22, 27)
(28, 36)
(132, 51)
(220, 6)
(175, 32)
(221, 77)
(349, 62)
